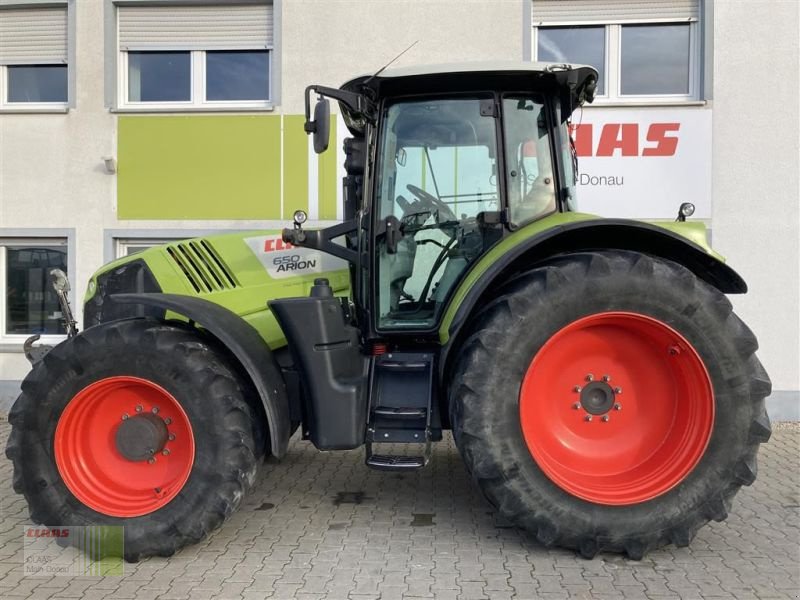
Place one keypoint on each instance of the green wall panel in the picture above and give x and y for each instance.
(199, 167)
(295, 165)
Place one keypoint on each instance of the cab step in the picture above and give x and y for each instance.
(400, 409)
(386, 462)
(397, 412)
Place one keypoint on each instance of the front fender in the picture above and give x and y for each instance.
(244, 343)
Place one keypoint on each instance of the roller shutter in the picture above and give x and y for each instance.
(546, 12)
(243, 27)
(33, 36)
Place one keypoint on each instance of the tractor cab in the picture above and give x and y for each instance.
(443, 163)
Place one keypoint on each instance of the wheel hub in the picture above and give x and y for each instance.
(597, 398)
(574, 422)
(124, 446)
(140, 437)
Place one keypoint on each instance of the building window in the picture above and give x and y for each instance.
(642, 51)
(237, 75)
(33, 58)
(584, 45)
(159, 77)
(129, 246)
(655, 60)
(29, 305)
(195, 57)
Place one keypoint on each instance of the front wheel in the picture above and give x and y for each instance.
(140, 424)
(610, 401)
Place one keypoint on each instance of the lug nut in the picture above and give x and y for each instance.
(606, 378)
(605, 418)
(576, 406)
(165, 452)
(618, 407)
(590, 377)
(577, 388)
(155, 410)
(167, 421)
(587, 418)
(138, 408)
(171, 437)
(125, 417)
(617, 390)
(151, 460)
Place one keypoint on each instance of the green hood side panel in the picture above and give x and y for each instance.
(692, 231)
(261, 266)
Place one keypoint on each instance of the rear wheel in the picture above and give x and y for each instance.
(136, 423)
(610, 401)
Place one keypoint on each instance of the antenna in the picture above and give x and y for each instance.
(387, 65)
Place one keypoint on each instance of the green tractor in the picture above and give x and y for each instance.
(602, 393)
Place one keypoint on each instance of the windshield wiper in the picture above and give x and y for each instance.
(439, 225)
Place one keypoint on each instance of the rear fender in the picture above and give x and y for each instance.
(518, 253)
(244, 343)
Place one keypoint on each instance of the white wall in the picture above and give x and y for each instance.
(756, 203)
(51, 170)
(331, 42)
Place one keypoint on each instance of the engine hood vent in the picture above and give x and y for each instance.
(204, 269)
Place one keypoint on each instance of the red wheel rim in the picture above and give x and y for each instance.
(91, 463)
(633, 444)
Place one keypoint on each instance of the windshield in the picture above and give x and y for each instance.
(445, 148)
(437, 174)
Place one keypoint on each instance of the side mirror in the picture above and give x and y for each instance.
(321, 125)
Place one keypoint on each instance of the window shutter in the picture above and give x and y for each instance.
(33, 36)
(244, 27)
(551, 12)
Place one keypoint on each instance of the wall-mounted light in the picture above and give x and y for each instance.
(111, 164)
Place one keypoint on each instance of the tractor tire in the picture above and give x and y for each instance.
(609, 401)
(136, 423)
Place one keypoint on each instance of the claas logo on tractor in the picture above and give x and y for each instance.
(274, 245)
(591, 371)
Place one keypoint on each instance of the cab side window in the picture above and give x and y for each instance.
(529, 167)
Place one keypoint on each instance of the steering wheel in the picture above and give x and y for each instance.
(429, 200)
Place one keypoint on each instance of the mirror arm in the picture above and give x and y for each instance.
(322, 239)
(355, 102)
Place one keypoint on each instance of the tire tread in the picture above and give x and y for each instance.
(239, 456)
(472, 432)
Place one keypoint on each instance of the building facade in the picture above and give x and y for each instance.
(126, 123)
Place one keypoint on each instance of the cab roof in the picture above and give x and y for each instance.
(573, 84)
(488, 66)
